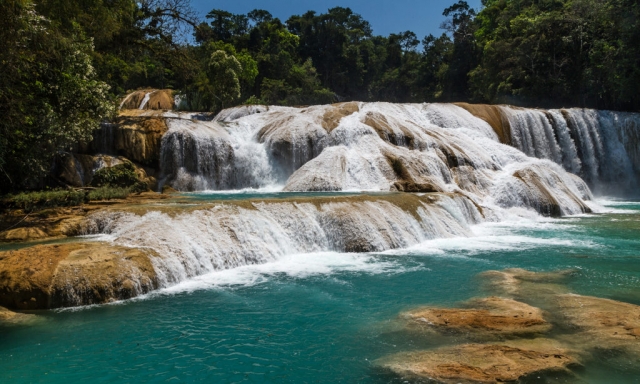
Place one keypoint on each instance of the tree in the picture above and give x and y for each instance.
(224, 74)
(50, 95)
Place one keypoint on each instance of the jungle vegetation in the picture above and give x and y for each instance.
(65, 63)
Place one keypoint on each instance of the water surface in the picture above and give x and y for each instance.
(320, 318)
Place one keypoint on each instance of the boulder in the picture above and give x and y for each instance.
(73, 274)
(156, 99)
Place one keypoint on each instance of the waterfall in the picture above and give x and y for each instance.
(380, 147)
(223, 236)
(198, 155)
(599, 146)
(145, 100)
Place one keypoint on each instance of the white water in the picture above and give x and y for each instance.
(145, 100)
(374, 147)
(599, 146)
(438, 145)
(225, 236)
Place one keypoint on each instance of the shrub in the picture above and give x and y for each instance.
(119, 176)
(108, 193)
(30, 201)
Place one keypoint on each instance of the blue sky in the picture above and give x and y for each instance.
(420, 16)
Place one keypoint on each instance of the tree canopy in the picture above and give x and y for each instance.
(64, 63)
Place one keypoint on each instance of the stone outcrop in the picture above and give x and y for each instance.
(77, 170)
(483, 363)
(156, 99)
(493, 115)
(485, 318)
(47, 224)
(72, 274)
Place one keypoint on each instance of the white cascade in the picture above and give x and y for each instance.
(192, 243)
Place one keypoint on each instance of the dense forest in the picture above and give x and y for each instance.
(64, 63)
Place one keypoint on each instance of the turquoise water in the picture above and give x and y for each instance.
(320, 318)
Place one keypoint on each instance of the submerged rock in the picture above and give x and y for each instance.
(72, 274)
(483, 318)
(601, 324)
(14, 318)
(483, 363)
(524, 284)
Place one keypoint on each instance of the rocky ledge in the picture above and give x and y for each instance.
(62, 275)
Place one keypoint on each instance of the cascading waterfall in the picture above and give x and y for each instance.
(235, 234)
(442, 149)
(599, 146)
(199, 155)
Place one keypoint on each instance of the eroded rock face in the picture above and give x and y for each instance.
(483, 363)
(78, 170)
(60, 223)
(483, 318)
(62, 275)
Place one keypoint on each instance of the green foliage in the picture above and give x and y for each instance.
(63, 62)
(571, 52)
(109, 193)
(224, 74)
(122, 175)
(50, 95)
(31, 201)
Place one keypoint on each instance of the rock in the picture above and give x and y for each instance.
(493, 115)
(483, 363)
(155, 99)
(524, 284)
(13, 318)
(72, 274)
(602, 324)
(23, 234)
(483, 318)
(234, 113)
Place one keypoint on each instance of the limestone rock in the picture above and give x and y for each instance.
(483, 363)
(525, 284)
(493, 115)
(23, 234)
(161, 99)
(601, 323)
(482, 318)
(14, 318)
(72, 274)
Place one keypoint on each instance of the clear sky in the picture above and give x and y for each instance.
(420, 16)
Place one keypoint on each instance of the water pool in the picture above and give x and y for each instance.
(323, 317)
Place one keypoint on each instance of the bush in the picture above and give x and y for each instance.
(119, 176)
(108, 193)
(30, 201)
